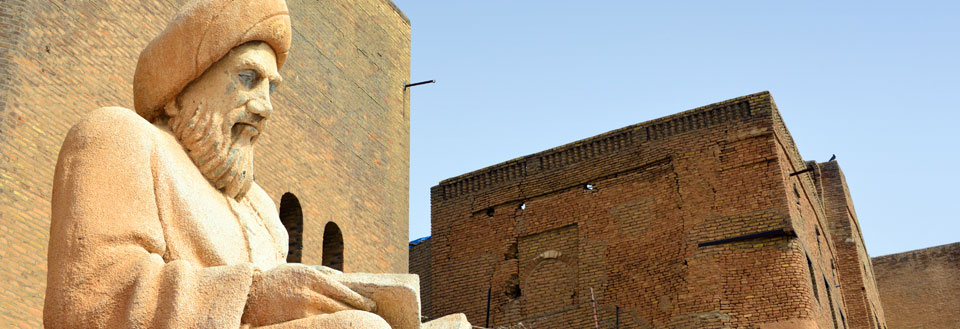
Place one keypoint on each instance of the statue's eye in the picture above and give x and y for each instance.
(248, 78)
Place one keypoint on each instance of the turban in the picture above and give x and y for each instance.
(203, 32)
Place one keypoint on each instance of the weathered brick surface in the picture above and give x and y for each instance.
(420, 264)
(640, 215)
(339, 140)
(921, 288)
(864, 309)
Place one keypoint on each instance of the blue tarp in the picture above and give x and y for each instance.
(417, 241)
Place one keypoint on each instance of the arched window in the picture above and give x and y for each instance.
(292, 218)
(332, 247)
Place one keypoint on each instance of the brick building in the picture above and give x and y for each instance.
(860, 293)
(342, 105)
(921, 288)
(708, 218)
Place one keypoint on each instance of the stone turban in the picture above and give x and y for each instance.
(202, 33)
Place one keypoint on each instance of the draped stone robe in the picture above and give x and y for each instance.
(139, 238)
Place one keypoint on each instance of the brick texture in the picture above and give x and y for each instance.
(921, 288)
(420, 264)
(860, 294)
(339, 140)
(688, 221)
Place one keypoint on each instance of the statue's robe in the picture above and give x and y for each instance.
(140, 239)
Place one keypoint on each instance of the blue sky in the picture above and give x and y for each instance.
(875, 83)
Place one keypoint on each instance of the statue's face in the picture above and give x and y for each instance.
(219, 116)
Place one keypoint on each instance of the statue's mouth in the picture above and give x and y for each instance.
(241, 129)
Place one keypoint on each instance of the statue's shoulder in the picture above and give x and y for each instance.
(114, 120)
(262, 201)
(115, 127)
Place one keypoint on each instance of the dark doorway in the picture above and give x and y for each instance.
(292, 218)
(332, 247)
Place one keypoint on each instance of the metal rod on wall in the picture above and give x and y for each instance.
(596, 321)
(487, 323)
(417, 84)
(618, 317)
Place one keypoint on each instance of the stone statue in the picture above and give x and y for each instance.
(156, 219)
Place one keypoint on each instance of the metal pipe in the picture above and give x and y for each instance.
(487, 323)
(618, 317)
(417, 84)
(596, 320)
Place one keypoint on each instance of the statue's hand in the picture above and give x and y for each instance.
(294, 291)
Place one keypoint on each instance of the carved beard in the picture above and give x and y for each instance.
(222, 157)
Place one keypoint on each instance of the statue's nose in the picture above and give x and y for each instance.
(261, 106)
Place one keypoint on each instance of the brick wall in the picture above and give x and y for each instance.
(921, 288)
(688, 221)
(420, 264)
(856, 273)
(809, 223)
(339, 141)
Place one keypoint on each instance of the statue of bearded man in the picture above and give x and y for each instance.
(157, 221)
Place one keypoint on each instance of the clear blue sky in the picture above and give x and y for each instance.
(876, 83)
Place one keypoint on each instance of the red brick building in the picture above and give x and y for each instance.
(921, 288)
(708, 218)
(335, 155)
(856, 273)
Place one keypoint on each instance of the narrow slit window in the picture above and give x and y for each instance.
(830, 302)
(813, 280)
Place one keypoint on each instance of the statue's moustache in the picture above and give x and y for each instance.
(246, 122)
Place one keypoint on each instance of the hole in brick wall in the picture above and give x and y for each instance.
(291, 215)
(332, 247)
(512, 289)
(523, 206)
(512, 251)
(796, 192)
(819, 247)
(588, 187)
(490, 212)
